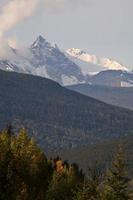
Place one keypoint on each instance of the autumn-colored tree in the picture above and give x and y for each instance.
(65, 181)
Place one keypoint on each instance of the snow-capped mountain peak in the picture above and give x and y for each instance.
(49, 61)
(40, 42)
(106, 63)
(76, 52)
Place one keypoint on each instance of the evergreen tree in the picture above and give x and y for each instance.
(24, 169)
(33, 169)
(65, 181)
(91, 187)
(82, 193)
(6, 158)
(26, 174)
(57, 187)
(117, 181)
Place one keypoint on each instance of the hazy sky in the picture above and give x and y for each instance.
(101, 27)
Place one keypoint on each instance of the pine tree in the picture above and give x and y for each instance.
(64, 181)
(117, 181)
(32, 167)
(24, 169)
(58, 187)
(91, 186)
(83, 193)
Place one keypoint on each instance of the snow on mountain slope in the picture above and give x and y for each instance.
(92, 63)
(45, 60)
(16, 62)
(54, 62)
(113, 78)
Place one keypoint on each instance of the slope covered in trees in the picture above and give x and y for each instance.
(27, 174)
(57, 117)
(113, 95)
(102, 153)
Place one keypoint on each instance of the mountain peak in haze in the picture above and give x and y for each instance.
(76, 52)
(106, 63)
(47, 60)
(40, 42)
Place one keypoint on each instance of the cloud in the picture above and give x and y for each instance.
(58, 5)
(5, 50)
(14, 12)
(13, 42)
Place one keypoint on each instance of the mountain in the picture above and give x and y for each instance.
(45, 60)
(92, 63)
(114, 78)
(54, 63)
(112, 95)
(57, 117)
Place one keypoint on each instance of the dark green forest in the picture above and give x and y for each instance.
(27, 174)
(118, 96)
(103, 153)
(57, 117)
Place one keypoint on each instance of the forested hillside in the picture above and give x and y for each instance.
(117, 96)
(103, 153)
(57, 117)
(27, 174)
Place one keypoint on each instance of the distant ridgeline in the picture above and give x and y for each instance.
(118, 96)
(57, 117)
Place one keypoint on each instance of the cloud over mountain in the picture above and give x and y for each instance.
(14, 12)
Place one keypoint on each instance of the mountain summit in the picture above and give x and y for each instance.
(49, 61)
(40, 42)
(84, 59)
(46, 60)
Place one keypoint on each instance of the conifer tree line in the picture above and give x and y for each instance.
(27, 174)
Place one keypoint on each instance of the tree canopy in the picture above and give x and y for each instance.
(27, 174)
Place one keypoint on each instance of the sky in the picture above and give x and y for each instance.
(100, 27)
